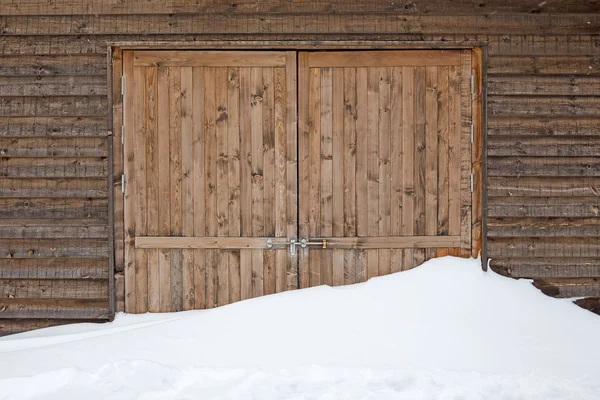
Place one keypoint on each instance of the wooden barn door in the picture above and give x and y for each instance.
(210, 170)
(385, 161)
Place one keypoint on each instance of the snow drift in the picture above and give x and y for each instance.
(443, 330)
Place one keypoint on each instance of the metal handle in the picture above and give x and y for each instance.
(293, 243)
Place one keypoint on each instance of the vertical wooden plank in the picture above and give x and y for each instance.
(175, 185)
(129, 116)
(431, 155)
(372, 263)
(326, 161)
(454, 148)
(200, 279)
(211, 265)
(373, 167)
(256, 134)
(350, 276)
(257, 273)
(362, 106)
(337, 116)
(152, 188)
(477, 154)
(408, 144)
(222, 181)
(198, 150)
(245, 274)
(396, 260)
(222, 154)
(466, 154)
(187, 184)
(210, 156)
(373, 151)
(385, 173)
(222, 286)
(396, 133)
(140, 196)
(117, 161)
(269, 271)
(199, 189)
(164, 267)
(210, 168)
(233, 148)
(306, 167)
(349, 148)
(420, 158)
(443, 155)
(268, 140)
(280, 174)
(291, 113)
(311, 203)
(338, 268)
(235, 289)
(361, 264)
(245, 155)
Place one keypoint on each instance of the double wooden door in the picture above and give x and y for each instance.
(255, 172)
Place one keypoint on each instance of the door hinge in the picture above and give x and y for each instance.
(122, 85)
(471, 181)
(123, 183)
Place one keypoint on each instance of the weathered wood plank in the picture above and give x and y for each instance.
(61, 230)
(53, 126)
(53, 85)
(540, 125)
(544, 166)
(584, 106)
(557, 146)
(543, 247)
(53, 288)
(63, 7)
(209, 58)
(53, 208)
(544, 206)
(54, 268)
(549, 85)
(349, 161)
(206, 242)
(53, 167)
(408, 143)
(546, 267)
(13, 326)
(68, 65)
(545, 64)
(382, 59)
(53, 147)
(61, 248)
(539, 44)
(337, 170)
(542, 186)
(558, 227)
(53, 106)
(198, 23)
(54, 188)
(54, 308)
(569, 287)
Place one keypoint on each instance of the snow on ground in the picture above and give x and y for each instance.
(445, 330)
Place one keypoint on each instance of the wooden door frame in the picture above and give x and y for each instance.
(115, 120)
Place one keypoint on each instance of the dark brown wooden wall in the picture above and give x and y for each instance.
(543, 107)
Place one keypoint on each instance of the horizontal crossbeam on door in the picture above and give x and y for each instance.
(420, 58)
(382, 242)
(208, 58)
(390, 242)
(178, 242)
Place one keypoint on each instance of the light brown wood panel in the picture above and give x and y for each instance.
(210, 173)
(385, 162)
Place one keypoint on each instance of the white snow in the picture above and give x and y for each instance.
(445, 330)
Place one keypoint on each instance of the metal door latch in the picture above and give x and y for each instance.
(293, 243)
